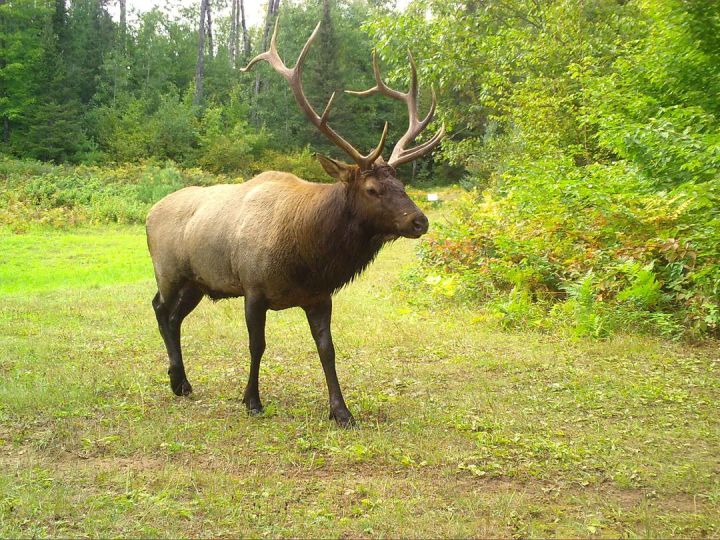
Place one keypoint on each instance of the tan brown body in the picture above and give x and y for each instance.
(276, 235)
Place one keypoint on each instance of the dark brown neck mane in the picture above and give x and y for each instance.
(336, 245)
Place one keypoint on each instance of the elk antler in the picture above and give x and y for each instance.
(399, 154)
(294, 78)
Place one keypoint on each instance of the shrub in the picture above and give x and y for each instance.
(66, 196)
(231, 153)
(173, 130)
(300, 163)
(137, 128)
(593, 248)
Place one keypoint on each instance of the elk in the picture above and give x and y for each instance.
(282, 242)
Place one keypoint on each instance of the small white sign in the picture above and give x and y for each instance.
(432, 197)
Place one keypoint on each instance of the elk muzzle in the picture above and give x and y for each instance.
(413, 224)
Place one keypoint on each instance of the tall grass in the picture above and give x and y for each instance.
(62, 196)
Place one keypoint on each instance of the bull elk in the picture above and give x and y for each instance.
(282, 242)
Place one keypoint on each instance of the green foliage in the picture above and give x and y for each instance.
(592, 155)
(644, 290)
(302, 163)
(599, 239)
(654, 108)
(21, 50)
(229, 148)
(142, 129)
(173, 129)
(68, 196)
(56, 134)
(502, 70)
(109, 98)
(582, 309)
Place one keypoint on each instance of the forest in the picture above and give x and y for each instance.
(586, 134)
(542, 363)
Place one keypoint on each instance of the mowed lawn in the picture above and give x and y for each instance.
(464, 430)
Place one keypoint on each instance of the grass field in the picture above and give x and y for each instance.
(45, 259)
(464, 430)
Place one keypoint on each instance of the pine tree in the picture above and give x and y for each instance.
(21, 61)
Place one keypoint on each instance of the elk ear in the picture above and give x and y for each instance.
(337, 169)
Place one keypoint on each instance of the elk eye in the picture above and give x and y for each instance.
(372, 191)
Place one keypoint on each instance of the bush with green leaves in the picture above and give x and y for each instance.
(595, 248)
(141, 128)
(229, 149)
(65, 195)
(591, 136)
(301, 163)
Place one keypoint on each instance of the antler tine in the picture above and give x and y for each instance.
(405, 156)
(272, 57)
(372, 156)
(399, 154)
(326, 112)
(301, 58)
(380, 86)
(413, 91)
(294, 78)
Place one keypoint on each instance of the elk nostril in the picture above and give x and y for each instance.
(420, 223)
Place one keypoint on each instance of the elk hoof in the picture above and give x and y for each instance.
(343, 418)
(181, 388)
(254, 407)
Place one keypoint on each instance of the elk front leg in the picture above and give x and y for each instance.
(255, 312)
(318, 317)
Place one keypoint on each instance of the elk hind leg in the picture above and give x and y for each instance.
(170, 313)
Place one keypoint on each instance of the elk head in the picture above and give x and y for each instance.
(375, 193)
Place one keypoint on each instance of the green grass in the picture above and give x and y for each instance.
(464, 430)
(44, 259)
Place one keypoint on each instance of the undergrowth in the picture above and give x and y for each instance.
(590, 250)
(61, 196)
(35, 193)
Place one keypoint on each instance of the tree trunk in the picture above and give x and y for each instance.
(123, 25)
(209, 29)
(233, 41)
(245, 34)
(200, 66)
(272, 10)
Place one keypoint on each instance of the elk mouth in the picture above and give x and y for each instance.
(414, 226)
